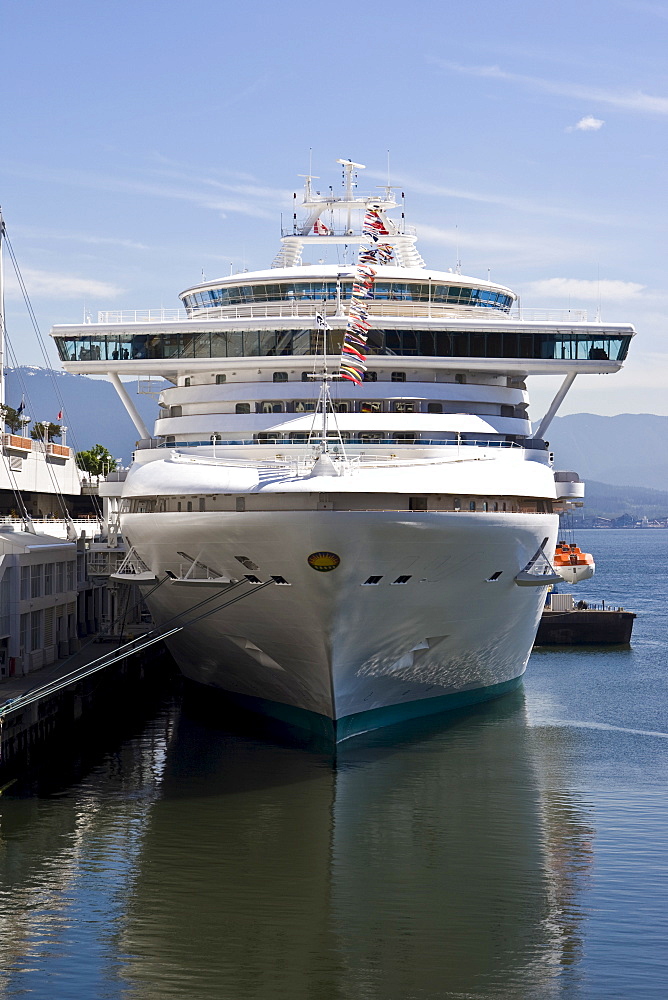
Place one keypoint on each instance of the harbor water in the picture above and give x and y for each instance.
(518, 849)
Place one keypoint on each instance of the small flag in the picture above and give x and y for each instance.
(60, 415)
(320, 229)
(22, 406)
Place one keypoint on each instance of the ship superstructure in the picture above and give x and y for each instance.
(389, 543)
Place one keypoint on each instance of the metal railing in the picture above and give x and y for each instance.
(333, 439)
(288, 308)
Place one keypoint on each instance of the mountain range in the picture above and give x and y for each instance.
(623, 459)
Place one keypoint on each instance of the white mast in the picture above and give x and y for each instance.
(2, 315)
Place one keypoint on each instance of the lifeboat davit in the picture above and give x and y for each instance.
(572, 564)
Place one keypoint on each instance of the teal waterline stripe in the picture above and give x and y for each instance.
(375, 718)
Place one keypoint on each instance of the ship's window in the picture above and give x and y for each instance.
(242, 408)
(417, 503)
(175, 411)
(240, 503)
(267, 438)
(370, 377)
(372, 581)
(401, 579)
(202, 503)
(186, 382)
(503, 506)
(495, 576)
(252, 579)
(371, 406)
(306, 376)
(269, 407)
(457, 503)
(434, 407)
(460, 379)
(341, 407)
(398, 377)
(169, 440)
(178, 505)
(472, 505)
(402, 406)
(507, 411)
(220, 379)
(189, 505)
(485, 505)
(299, 437)
(496, 506)
(406, 438)
(280, 581)
(303, 406)
(370, 438)
(280, 376)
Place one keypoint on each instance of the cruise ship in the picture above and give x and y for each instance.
(342, 548)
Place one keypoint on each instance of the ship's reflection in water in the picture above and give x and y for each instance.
(439, 860)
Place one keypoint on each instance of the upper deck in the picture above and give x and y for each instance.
(418, 316)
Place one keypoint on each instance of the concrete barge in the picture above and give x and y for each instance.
(565, 623)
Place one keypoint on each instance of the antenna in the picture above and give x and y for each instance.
(598, 292)
(388, 168)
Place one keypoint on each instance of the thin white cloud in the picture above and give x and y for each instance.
(624, 100)
(501, 249)
(39, 234)
(49, 284)
(543, 207)
(578, 288)
(248, 204)
(587, 124)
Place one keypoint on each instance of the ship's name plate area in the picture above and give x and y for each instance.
(323, 562)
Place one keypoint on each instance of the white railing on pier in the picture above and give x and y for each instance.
(56, 527)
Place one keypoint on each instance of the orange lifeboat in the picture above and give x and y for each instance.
(572, 564)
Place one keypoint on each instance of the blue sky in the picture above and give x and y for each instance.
(146, 143)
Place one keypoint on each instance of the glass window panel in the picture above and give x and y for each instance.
(235, 345)
(186, 345)
(267, 339)
(218, 345)
(251, 343)
(301, 342)
(410, 342)
(284, 342)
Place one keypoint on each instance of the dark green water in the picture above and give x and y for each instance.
(516, 851)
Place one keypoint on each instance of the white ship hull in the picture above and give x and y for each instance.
(328, 652)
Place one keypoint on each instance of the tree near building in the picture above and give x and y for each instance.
(11, 419)
(97, 461)
(45, 431)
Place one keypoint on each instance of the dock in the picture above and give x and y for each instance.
(52, 705)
